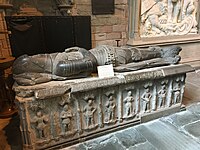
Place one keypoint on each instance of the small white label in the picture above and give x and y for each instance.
(105, 71)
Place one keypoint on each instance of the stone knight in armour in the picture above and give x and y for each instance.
(77, 62)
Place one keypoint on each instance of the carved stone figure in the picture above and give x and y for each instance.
(110, 109)
(177, 93)
(162, 96)
(41, 124)
(66, 117)
(146, 99)
(129, 105)
(153, 16)
(188, 8)
(89, 111)
(77, 62)
(174, 7)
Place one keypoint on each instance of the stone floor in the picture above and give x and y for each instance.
(180, 131)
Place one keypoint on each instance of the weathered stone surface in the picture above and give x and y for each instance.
(161, 113)
(130, 138)
(143, 146)
(160, 134)
(195, 108)
(192, 130)
(81, 109)
(192, 90)
(181, 119)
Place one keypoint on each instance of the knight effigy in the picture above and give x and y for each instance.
(78, 62)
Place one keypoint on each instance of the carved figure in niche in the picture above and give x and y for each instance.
(110, 109)
(188, 8)
(162, 96)
(41, 124)
(89, 111)
(189, 22)
(174, 7)
(66, 117)
(146, 98)
(177, 93)
(129, 105)
(153, 16)
(77, 62)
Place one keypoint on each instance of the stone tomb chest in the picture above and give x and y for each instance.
(61, 113)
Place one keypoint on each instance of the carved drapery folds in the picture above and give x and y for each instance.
(168, 17)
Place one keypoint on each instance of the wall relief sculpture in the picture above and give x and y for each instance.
(168, 17)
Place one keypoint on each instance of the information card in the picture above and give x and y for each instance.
(105, 71)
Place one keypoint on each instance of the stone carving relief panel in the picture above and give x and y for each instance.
(130, 97)
(88, 110)
(75, 115)
(52, 120)
(168, 17)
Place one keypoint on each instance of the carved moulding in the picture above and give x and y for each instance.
(89, 107)
(163, 21)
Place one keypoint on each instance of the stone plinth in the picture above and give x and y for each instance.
(61, 113)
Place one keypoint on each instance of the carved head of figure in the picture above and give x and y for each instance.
(147, 90)
(129, 93)
(90, 101)
(162, 7)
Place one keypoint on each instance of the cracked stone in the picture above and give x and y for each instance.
(192, 129)
(143, 146)
(194, 109)
(130, 137)
(111, 143)
(181, 119)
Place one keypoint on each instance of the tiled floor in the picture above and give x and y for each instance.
(182, 128)
(179, 131)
